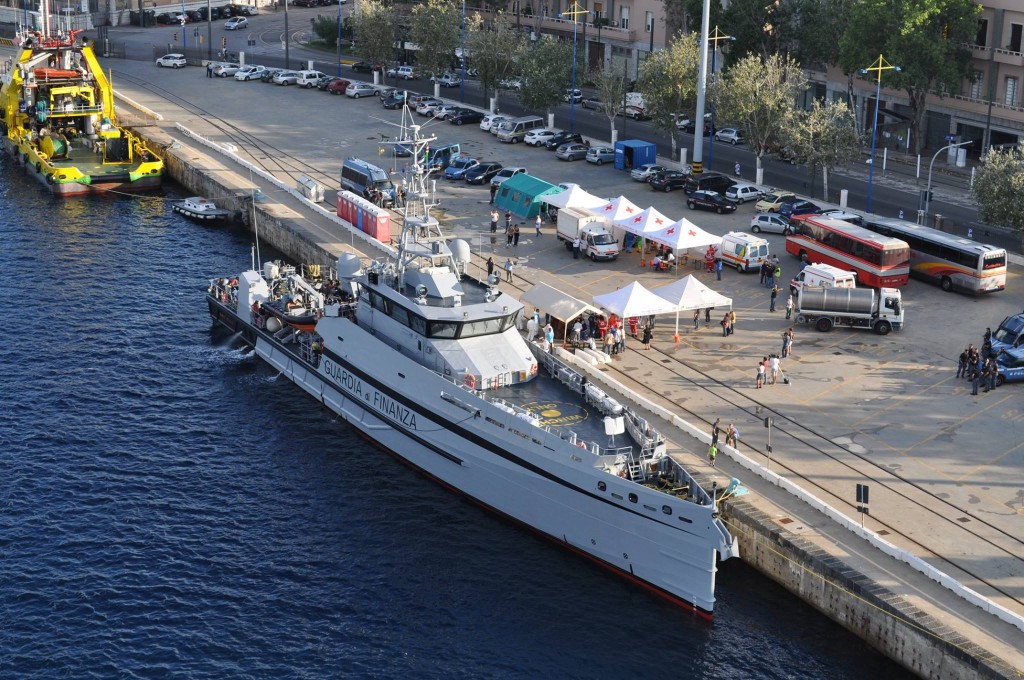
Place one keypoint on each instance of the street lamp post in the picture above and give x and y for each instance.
(713, 39)
(928, 191)
(878, 67)
(287, 61)
(462, 59)
(339, 39)
(574, 11)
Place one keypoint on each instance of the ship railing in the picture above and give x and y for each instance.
(222, 290)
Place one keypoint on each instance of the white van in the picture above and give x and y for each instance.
(823, 275)
(515, 130)
(744, 251)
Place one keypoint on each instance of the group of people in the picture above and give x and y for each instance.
(732, 435)
(979, 365)
(771, 272)
(768, 371)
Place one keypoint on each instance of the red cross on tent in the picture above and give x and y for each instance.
(617, 209)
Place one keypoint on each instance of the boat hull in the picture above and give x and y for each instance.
(467, 444)
(122, 180)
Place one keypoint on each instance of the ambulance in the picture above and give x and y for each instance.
(823, 275)
(744, 251)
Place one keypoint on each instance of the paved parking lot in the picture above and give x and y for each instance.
(861, 407)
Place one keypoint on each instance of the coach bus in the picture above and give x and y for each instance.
(880, 261)
(953, 262)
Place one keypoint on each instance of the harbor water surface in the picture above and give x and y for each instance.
(173, 508)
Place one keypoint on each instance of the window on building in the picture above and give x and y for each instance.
(982, 37)
(976, 83)
(649, 21)
(598, 10)
(624, 17)
(1010, 98)
(1015, 35)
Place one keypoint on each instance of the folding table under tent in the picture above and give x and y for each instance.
(689, 293)
(681, 236)
(557, 304)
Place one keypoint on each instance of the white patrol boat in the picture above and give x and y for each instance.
(429, 363)
(201, 210)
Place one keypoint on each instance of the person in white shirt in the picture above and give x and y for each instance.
(774, 365)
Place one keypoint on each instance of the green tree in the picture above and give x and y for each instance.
(435, 29)
(611, 90)
(547, 66)
(824, 138)
(668, 82)
(927, 39)
(999, 188)
(494, 50)
(760, 96)
(375, 25)
(683, 16)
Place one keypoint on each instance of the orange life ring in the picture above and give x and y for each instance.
(469, 380)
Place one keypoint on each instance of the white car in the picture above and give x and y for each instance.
(445, 111)
(427, 107)
(573, 95)
(447, 80)
(510, 84)
(251, 72)
(357, 90)
(538, 137)
(309, 79)
(852, 218)
(172, 61)
(731, 135)
(504, 174)
(741, 192)
(769, 222)
(286, 78)
(405, 72)
(646, 171)
(491, 123)
(236, 23)
(225, 69)
(682, 120)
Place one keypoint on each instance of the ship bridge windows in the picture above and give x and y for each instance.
(471, 329)
(442, 329)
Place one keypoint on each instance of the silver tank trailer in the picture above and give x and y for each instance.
(837, 300)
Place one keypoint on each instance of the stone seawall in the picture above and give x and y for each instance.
(877, 615)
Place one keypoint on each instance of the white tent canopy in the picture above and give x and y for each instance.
(616, 209)
(689, 293)
(559, 305)
(634, 300)
(682, 235)
(648, 220)
(574, 197)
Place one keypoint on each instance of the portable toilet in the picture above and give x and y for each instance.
(632, 153)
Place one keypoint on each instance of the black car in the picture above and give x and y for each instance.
(227, 11)
(563, 138)
(708, 181)
(709, 200)
(480, 174)
(798, 207)
(163, 18)
(709, 129)
(667, 181)
(326, 80)
(194, 16)
(466, 116)
(394, 102)
(365, 67)
(592, 103)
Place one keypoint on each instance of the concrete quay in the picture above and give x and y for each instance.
(943, 466)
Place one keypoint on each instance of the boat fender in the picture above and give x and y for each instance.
(469, 380)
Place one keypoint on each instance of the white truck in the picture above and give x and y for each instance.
(826, 307)
(597, 240)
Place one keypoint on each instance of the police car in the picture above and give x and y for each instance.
(1010, 364)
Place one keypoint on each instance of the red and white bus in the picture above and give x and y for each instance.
(880, 261)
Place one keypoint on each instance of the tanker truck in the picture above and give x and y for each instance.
(825, 306)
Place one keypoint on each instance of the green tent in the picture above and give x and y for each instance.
(521, 194)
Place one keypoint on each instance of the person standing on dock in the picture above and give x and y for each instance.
(538, 223)
(494, 220)
(508, 269)
(490, 266)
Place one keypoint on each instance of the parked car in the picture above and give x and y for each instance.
(573, 95)
(194, 16)
(732, 135)
(1010, 366)
(770, 223)
(636, 112)
(427, 107)
(510, 84)
(599, 155)
(250, 72)
(593, 103)
(163, 18)
(394, 102)
(268, 75)
(771, 202)
(482, 172)
(225, 69)
(690, 126)
(798, 207)
(668, 180)
(365, 67)
(446, 111)
(682, 121)
(286, 78)
(172, 61)
(309, 79)
(456, 170)
(404, 72)
(852, 218)
(338, 86)
(448, 80)
(709, 200)
(466, 116)
(491, 121)
(708, 181)
(646, 171)
(538, 137)
(561, 138)
(236, 23)
(506, 173)
(572, 152)
(741, 192)
(248, 10)
(357, 90)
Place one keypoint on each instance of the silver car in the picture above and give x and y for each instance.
(645, 172)
(286, 78)
(357, 90)
(601, 155)
(571, 152)
(772, 223)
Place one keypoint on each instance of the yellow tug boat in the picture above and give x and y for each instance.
(58, 119)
